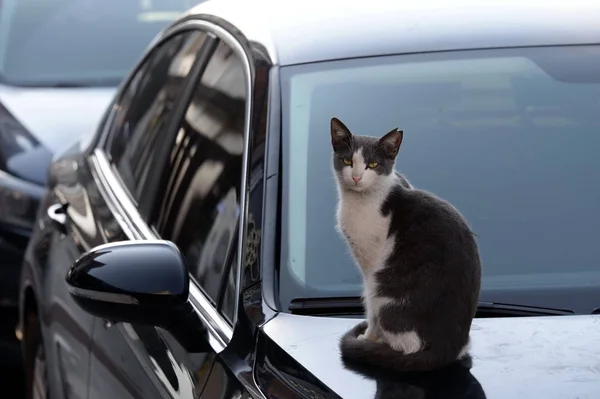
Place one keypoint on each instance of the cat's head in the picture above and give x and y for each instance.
(363, 163)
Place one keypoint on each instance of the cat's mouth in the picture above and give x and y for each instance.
(356, 186)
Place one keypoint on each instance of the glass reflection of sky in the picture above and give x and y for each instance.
(221, 206)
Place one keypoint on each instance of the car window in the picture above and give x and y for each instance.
(75, 42)
(200, 202)
(144, 109)
(508, 136)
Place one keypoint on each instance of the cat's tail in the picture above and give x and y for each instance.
(381, 355)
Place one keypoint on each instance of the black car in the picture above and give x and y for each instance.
(189, 249)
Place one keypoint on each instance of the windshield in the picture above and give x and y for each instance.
(511, 137)
(78, 42)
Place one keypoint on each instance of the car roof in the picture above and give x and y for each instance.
(295, 32)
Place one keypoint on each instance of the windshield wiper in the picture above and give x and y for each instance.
(337, 306)
(495, 309)
(327, 306)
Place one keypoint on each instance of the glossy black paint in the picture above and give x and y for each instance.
(270, 354)
(66, 329)
(280, 375)
(143, 274)
(141, 282)
(559, 353)
(27, 125)
(86, 344)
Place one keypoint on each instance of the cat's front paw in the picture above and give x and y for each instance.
(364, 337)
(369, 335)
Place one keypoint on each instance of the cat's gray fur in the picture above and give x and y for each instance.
(418, 257)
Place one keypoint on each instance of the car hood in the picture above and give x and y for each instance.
(57, 117)
(522, 357)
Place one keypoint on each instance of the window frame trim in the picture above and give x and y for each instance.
(124, 208)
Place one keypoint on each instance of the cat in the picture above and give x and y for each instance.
(419, 259)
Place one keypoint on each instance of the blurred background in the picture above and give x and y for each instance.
(60, 64)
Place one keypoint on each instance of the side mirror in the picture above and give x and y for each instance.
(139, 282)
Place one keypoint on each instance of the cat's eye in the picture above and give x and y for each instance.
(347, 161)
(372, 165)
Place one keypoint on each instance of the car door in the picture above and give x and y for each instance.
(130, 360)
(193, 199)
(67, 228)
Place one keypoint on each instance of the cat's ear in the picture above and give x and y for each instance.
(391, 142)
(340, 135)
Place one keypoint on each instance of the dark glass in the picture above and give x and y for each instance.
(508, 136)
(200, 203)
(145, 109)
(78, 43)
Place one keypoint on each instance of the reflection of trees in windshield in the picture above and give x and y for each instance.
(94, 42)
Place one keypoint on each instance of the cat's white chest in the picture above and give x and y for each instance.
(365, 229)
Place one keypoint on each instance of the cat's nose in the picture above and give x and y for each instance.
(356, 178)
